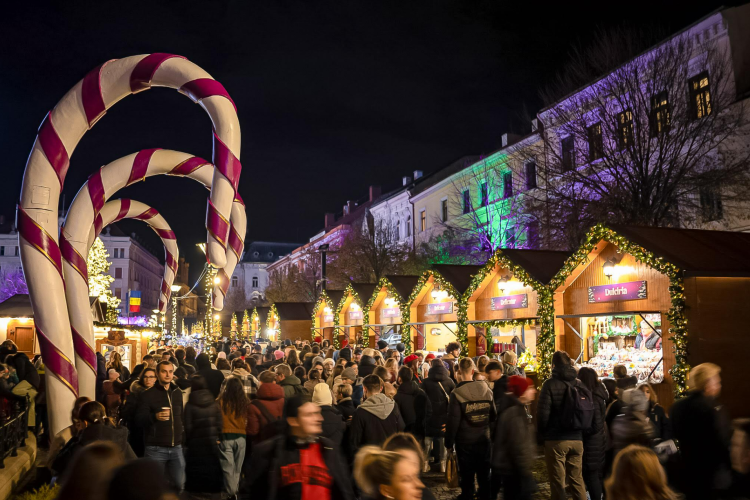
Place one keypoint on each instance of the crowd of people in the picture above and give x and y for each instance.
(302, 420)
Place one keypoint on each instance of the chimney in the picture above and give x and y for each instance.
(349, 207)
(374, 193)
(509, 139)
(330, 220)
(417, 174)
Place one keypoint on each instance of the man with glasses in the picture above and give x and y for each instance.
(159, 413)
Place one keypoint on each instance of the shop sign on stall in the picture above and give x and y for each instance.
(519, 301)
(328, 318)
(355, 314)
(633, 290)
(393, 312)
(440, 308)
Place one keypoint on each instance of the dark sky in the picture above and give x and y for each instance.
(332, 95)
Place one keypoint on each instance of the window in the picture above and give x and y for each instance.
(16, 251)
(115, 253)
(711, 205)
(422, 221)
(507, 184)
(444, 210)
(660, 113)
(510, 237)
(700, 96)
(2, 250)
(255, 282)
(118, 273)
(408, 225)
(484, 195)
(596, 146)
(624, 129)
(467, 201)
(530, 168)
(568, 154)
(118, 293)
(398, 229)
(235, 281)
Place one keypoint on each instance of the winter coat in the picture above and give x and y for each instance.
(595, 438)
(333, 424)
(202, 430)
(550, 408)
(515, 444)
(310, 385)
(375, 420)
(661, 423)
(291, 386)
(346, 408)
(102, 432)
(471, 410)
(25, 370)
(631, 428)
(366, 366)
(438, 400)
(158, 432)
(280, 457)
(415, 408)
(214, 379)
(271, 396)
(249, 383)
(127, 417)
(450, 363)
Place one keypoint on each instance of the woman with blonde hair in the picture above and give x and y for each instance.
(387, 475)
(115, 361)
(656, 414)
(392, 366)
(638, 475)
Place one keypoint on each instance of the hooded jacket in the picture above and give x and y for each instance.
(271, 396)
(632, 427)
(436, 377)
(415, 408)
(515, 447)
(550, 407)
(374, 421)
(150, 402)
(203, 424)
(595, 438)
(291, 386)
(471, 410)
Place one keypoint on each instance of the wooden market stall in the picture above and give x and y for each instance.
(291, 320)
(261, 313)
(658, 301)
(502, 303)
(349, 317)
(384, 314)
(434, 309)
(323, 315)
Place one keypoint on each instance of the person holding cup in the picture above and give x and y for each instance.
(159, 413)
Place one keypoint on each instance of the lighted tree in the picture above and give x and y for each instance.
(234, 329)
(99, 278)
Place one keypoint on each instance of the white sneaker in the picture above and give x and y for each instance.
(426, 467)
(442, 466)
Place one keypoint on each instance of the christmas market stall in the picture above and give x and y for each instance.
(323, 321)
(504, 299)
(384, 314)
(349, 315)
(291, 320)
(435, 309)
(658, 301)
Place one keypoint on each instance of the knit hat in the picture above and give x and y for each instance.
(278, 354)
(349, 374)
(518, 385)
(382, 344)
(222, 354)
(429, 357)
(400, 347)
(410, 358)
(322, 395)
(344, 343)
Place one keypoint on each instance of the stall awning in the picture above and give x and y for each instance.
(613, 313)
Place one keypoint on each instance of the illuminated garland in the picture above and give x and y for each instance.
(545, 344)
(336, 328)
(390, 290)
(323, 297)
(254, 316)
(676, 314)
(437, 278)
(273, 319)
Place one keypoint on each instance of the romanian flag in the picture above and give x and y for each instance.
(135, 301)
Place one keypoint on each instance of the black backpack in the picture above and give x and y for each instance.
(273, 427)
(577, 408)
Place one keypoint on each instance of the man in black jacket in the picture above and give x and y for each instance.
(470, 412)
(563, 447)
(214, 378)
(159, 414)
(413, 404)
(376, 419)
(299, 464)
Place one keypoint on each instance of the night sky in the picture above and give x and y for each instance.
(332, 95)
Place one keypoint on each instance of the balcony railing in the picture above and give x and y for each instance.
(13, 432)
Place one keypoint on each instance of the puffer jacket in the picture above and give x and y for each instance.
(202, 430)
(550, 407)
(150, 402)
(514, 446)
(438, 400)
(471, 411)
(595, 439)
(415, 408)
(631, 428)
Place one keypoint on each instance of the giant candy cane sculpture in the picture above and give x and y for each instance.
(44, 176)
(84, 222)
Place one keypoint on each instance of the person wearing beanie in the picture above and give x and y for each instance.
(350, 377)
(514, 445)
(383, 347)
(633, 426)
(333, 423)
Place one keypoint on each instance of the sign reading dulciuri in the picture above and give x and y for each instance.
(632, 290)
(518, 301)
(440, 308)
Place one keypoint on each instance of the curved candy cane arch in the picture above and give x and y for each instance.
(48, 163)
(84, 222)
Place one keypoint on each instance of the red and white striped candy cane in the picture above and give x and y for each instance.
(44, 176)
(85, 220)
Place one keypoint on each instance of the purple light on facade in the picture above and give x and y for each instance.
(133, 321)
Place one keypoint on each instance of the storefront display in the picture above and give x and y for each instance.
(349, 316)
(385, 312)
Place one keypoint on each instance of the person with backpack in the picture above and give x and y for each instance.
(470, 413)
(376, 418)
(291, 385)
(565, 411)
(265, 412)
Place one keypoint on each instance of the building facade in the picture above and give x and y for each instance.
(250, 277)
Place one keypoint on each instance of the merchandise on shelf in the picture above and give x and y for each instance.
(639, 362)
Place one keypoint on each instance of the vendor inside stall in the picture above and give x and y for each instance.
(386, 312)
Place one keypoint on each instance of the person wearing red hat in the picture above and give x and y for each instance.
(412, 362)
(514, 445)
